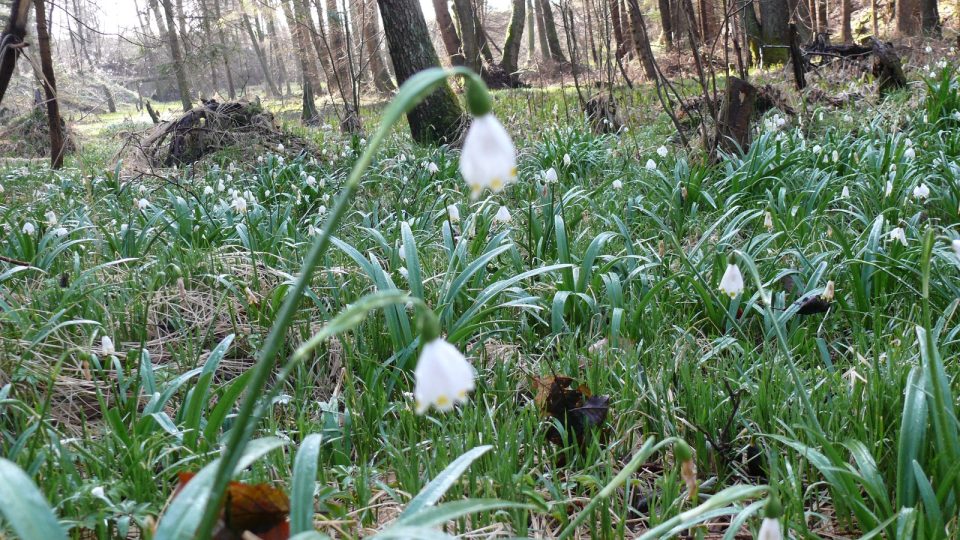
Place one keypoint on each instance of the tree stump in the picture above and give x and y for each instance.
(887, 68)
(736, 111)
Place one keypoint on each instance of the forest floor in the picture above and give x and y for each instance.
(125, 342)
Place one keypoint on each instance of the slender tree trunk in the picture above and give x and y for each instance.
(231, 90)
(482, 42)
(49, 88)
(209, 41)
(594, 53)
(823, 22)
(178, 64)
(846, 34)
(706, 9)
(511, 47)
(553, 39)
(371, 31)
(541, 32)
(873, 19)
(438, 118)
(666, 20)
(340, 58)
(302, 47)
(468, 34)
(641, 40)
(274, 41)
(907, 17)
(261, 56)
(14, 33)
(929, 18)
(448, 32)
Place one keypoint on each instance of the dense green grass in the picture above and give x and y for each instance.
(580, 262)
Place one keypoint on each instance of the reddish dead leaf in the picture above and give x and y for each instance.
(260, 509)
(575, 408)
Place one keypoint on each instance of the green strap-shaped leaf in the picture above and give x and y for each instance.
(304, 482)
(430, 494)
(23, 506)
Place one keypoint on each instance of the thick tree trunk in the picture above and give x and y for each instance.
(448, 32)
(318, 38)
(541, 32)
(733, 127)
(531, 25)
(301, 42)
(553, 39)
(340, 58)
(13, 34)
(667, 22)
(908, 17)
(371, 35)
(49, 88)
(616, 21)
(468, 34)
(706, 9)
(178, 64)
(641, 40)
(511, 47)
(774, 30)
(823, 21)
(261, 56)
(438, 118)
(846, 9)
(929, 18)
(231, 89)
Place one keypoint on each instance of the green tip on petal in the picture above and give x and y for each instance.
(478, 97)
(773, 508)
(429, 326)
(682, 451)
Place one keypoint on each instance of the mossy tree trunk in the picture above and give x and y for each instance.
(511, 47)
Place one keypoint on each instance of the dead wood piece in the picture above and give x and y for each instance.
(736, 111)
(887, 68)
(603, 114)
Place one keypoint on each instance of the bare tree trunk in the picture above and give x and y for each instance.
(511, 47)
(594, 53)
(49, 88)
(231, 90)
(531, 29)
(438, 118)
(208, 36)
(823, 22)
(541, 32)
(468, 34)
(178, 66)
(448, 32)
(774, 30)
(13, 35)
(553, 39)
(907, 16)
(340, 58)
(846, 34)
(873, 19)
(371, 31)
(641, 40)
(667, 22)
(929, 18)
(261, 56)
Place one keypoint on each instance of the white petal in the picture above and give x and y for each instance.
(489, 158)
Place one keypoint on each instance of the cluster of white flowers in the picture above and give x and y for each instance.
(774, 122)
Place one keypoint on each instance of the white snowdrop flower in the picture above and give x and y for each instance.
(123, 228)
(489, 158)
(99, 493)
(1, 188)
(402, 251)
(820, 116)
(829, 291)
(817, 149)
(921, 192)
(142, 204)
(550, 175)
(617, 184)
(325, 197)
(143, 189)
(220, 186)
(768, 220)
(60, 232)
(835, 156)
(280, 160)
(280, 147)
(898, 234)
(404, 272)
(651, 165)
(29, 228)
(106, 346)
(928, 49)
(770, 529)
(956, 247)
(662, 151)
(847, 118)
(402, 158)
(432, 168)
(956, 116)
(909, 153)
(566, 160)
(406, 201)
(731, 284)
(363, 142)
(502, 215)
(312, 181)
(239, 205)
(845, 193)
(442, 377)
(51, 218)
(208, 190)
(322, 210)
(454, 213)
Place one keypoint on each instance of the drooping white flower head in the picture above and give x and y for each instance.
(454, 213)
(928, 49)
(817, 149)
(432, 168)
(443, 377)
(662, 151)
(106, 346)
(617, 184)
(651, 165)
(889, 188)
(898, 234)
(502, 215)
(489, 158)
(845, 193)
(51, 218)
(142, 204)
(60, 232)
(835, 156)
(956, 247)
(280, 147)
(29, 228)
(550, 176)
(566, 160)
(770, 530)
(312, 181)
(921, 192)
(768, 220)
(208, 190)
(909, 153)
(731, 284)
(239, 205)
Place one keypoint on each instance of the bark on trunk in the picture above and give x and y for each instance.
(774, 30)
(541, 32)
(667, 23)
(553, 39)
(49, 88)
(511, 47)
(231, 90)
(907, 16)
(438, 118)
(616, 21)
(929, 18)
(175, 53)
(846, 9)
(468, 34)
(733, 127)
(261, 56)
(13, 35)
(448, 32)
(371, 35)
(641, 40)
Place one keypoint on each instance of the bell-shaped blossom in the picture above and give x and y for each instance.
(489, 158)
(550, 176)
(898, 234)
(432, 168)
(662, 151)
(768, 220)
(651, 165)
(106, 346)
(770, 530)
(731, 284)
(443, 377)
(239, 205)
(617, 184)
(921, 192)
(502, 215)
(566, 160)
(29, 228)
(454, 213)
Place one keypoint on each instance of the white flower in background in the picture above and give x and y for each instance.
(502, 215)
(280, 160)
(770, 529)
(259, 159)
(220, 186)
(956, 116)
(404, 272)
(835, 156)
(51, 218)
(489, 158)
(566, 160)
(731, 284)
(550, 176)
(617, 184)
(847, 118)
(888, 189)
(208, 190)
(142, 204)
(651, 165)
(432, 168)
(312, 181)
(60, 232)
(845, 193)
(28, 228)
(817, 149)
(454, 213)
(106, 346)
(928, 49)
(143, 189)
(898, 234)
(280, 147)
(239, 205)
(956, 247)
(662, 151)
(921, 192)
(768, 220)
(1, 188)
(322, 210)
(909, 153)
(443, 377)
(99, 493)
